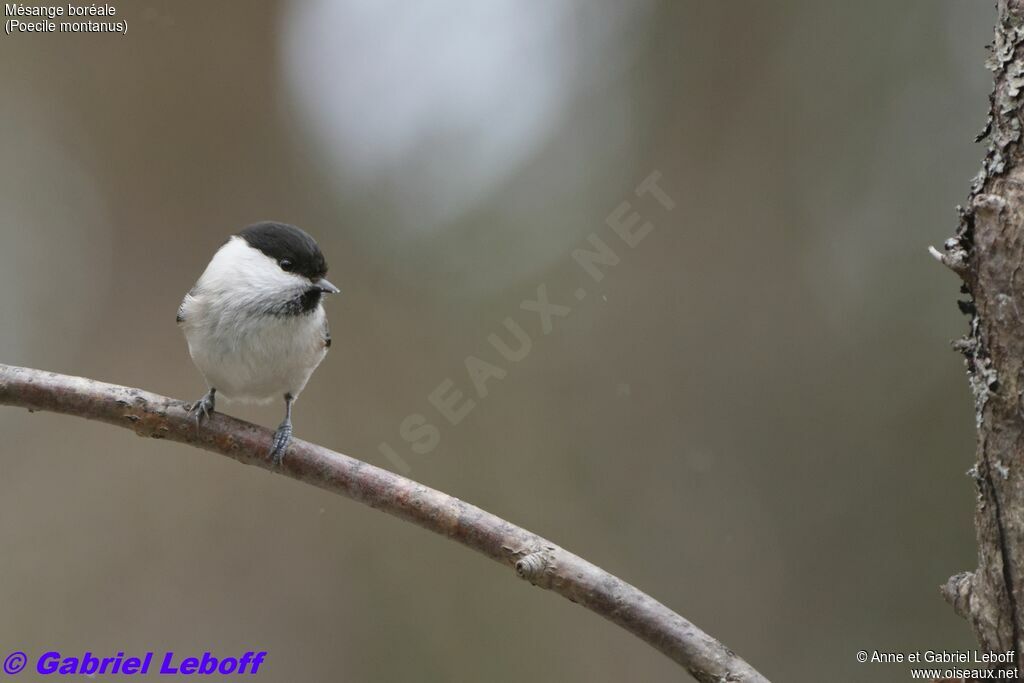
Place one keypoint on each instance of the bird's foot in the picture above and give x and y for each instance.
(282, 438)
(202, 408)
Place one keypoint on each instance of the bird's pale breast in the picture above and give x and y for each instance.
(254, 358)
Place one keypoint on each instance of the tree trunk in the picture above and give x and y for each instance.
(987, 252)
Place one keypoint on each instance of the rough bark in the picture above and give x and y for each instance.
(532, 557)
(987, 252)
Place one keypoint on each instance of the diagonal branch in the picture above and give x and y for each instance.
(533, 558)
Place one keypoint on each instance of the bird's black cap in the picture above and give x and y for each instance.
(292, 248)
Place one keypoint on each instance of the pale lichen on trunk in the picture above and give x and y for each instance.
(987, 252)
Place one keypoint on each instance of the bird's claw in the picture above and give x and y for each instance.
(202, 409)
(282, 438)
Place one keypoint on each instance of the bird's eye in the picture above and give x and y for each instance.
(285, 264)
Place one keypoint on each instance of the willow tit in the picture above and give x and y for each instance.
(255, 322)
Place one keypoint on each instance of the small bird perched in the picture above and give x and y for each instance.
(255, 322)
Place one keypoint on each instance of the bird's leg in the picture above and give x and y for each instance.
(203, 407)
(283, 435)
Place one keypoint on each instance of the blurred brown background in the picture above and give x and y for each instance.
(755, 416)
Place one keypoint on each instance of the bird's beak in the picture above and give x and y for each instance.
(325, 286)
